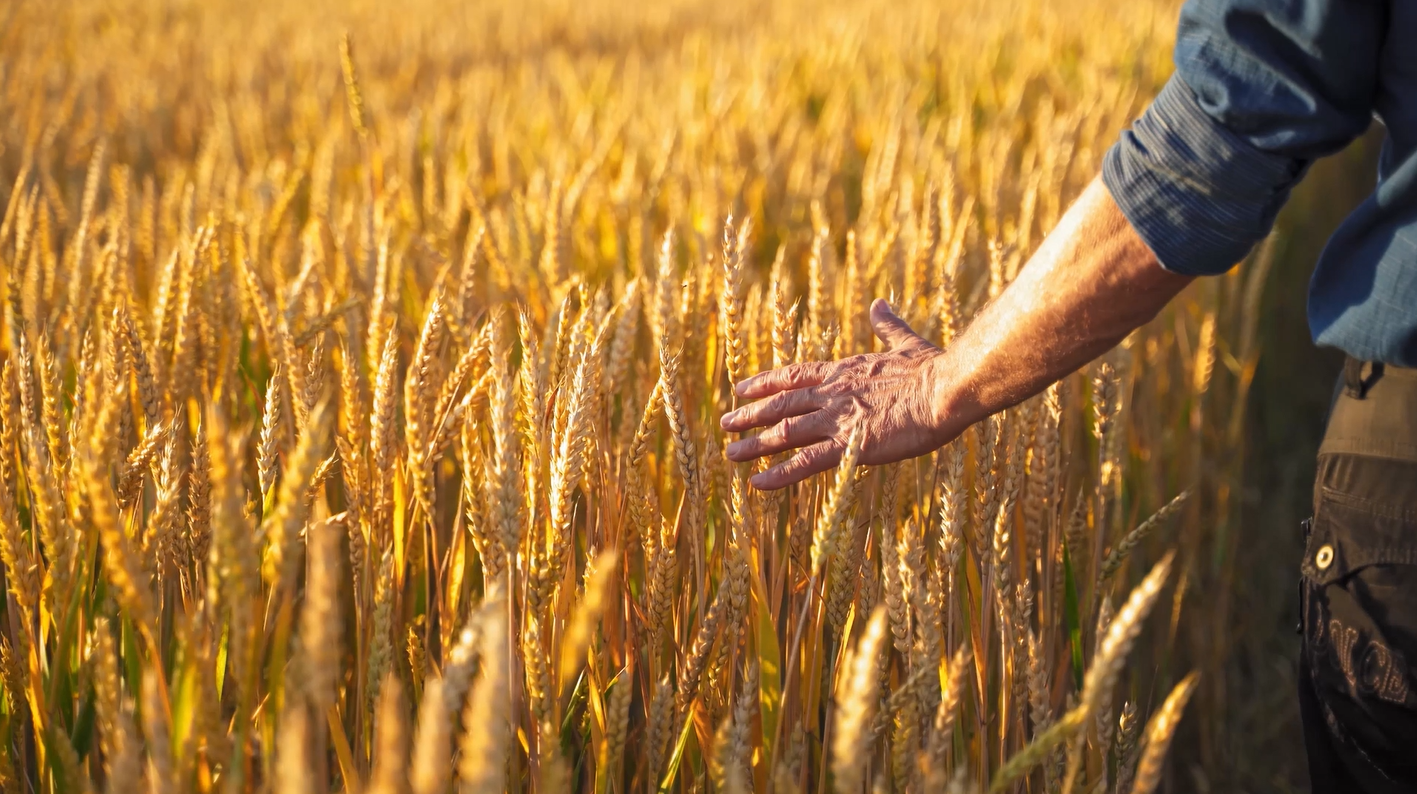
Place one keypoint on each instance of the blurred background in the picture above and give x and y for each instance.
(1257, 740)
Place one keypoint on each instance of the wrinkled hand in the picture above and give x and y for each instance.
(816, 406)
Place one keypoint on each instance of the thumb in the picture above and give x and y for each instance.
(891, 329)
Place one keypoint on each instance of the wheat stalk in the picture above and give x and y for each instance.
(855, 702)
(519, 560)
(1160, 729)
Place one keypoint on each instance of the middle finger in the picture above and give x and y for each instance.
(790, 433)
(772, 410)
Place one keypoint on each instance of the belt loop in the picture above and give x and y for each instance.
(1355, 385)
(1353, 377)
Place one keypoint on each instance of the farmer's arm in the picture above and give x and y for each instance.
(1091, 282)
(1261, 89)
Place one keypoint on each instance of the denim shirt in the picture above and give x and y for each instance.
(1263, 88)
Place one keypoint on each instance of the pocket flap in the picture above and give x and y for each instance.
(1350, 532)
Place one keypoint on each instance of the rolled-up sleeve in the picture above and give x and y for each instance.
(1261, 89)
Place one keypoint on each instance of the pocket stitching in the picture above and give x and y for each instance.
(1368, 505)
(1350, 555)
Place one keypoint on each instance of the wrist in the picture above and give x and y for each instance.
(953, 405)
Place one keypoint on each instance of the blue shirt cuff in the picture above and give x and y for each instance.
(1199, 195)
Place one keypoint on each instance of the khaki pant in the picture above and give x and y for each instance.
(1358, 666)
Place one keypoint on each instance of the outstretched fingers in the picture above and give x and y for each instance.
(774, 409)
(815, 459)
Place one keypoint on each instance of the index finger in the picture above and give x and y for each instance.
(792, 376)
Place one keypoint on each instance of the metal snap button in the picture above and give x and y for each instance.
(1324, 558)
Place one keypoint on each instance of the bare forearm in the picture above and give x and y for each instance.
(1090, 284)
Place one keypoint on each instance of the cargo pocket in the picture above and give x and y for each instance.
(1351, 532)
(1360, 623)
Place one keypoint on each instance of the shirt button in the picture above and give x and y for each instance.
(1324, 558)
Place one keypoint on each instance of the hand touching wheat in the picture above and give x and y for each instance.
(816, 406)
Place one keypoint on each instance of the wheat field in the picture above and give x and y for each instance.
(362, 374)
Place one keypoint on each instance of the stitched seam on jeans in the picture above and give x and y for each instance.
(1370, 506)
(1369, 448)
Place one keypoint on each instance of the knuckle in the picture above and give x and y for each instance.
(772, 435)
(767, 407)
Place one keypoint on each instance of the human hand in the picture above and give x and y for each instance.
(892, 397)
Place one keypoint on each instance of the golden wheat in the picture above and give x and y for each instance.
(361, 393)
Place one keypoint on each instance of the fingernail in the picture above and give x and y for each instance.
(728, 419)
(757, 480)
(733, 448)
